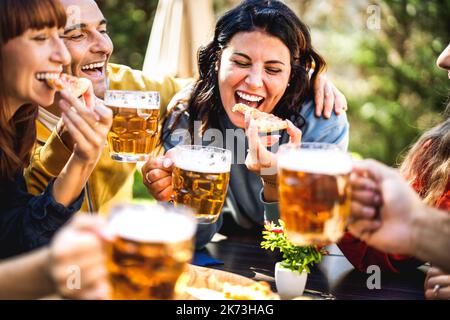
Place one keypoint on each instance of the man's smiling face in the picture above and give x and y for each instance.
(87, 40)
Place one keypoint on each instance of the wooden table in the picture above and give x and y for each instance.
(334, 276)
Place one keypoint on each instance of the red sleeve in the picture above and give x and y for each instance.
(361, 256)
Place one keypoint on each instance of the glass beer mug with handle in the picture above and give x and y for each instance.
(200, 180)
(134, 131)
(314, 192)
(151, 250)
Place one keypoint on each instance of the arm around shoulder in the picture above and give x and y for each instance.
(334, 130)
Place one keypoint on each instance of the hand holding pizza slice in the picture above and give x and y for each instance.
(261, 161)
(78, 86)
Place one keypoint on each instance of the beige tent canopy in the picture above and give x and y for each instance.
(179, 28)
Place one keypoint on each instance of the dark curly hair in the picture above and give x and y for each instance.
(274, 18)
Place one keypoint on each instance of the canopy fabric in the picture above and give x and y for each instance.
(180, 27)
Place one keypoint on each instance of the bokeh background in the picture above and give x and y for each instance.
(380, 54)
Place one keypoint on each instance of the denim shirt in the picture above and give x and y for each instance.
(26, 221)
(244, 198)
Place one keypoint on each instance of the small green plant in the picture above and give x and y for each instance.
(295, 258)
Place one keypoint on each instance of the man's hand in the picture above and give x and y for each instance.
(384, 208)
(328, 98)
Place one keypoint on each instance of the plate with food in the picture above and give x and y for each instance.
(209, 284)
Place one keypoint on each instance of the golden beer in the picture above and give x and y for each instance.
(151, 250)
(134, 131)
(315, 192)
(200, 180)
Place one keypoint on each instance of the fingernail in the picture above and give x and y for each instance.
(369, 212)
(64, 105)
(106, 235)
(377, 199)
(167, 163)
(64, 93)
(247, 117)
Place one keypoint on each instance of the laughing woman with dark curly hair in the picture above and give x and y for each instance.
(261, 56)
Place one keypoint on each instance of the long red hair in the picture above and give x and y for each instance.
(427, 164)
(18, 133)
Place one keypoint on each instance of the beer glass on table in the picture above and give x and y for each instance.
(151, 250)
(200, 180)
(134, 131)
(314, 192)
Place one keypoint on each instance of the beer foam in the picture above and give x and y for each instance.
(202, 161)
(129, 105)
(132, 99)
(153, 224)
(331, 162)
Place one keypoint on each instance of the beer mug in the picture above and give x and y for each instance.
(151, 250)
(200, 180)
(315, 192)
(134, 131)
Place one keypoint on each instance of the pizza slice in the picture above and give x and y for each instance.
(77, 86)
(266, 122)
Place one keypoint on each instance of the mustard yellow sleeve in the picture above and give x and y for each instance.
(124, 78)
(46, 163)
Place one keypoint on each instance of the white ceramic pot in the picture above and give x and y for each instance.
(290, 284)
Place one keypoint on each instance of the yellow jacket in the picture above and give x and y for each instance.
(111, 182)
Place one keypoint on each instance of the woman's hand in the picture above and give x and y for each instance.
(77, 261)
(88, 124)
(437, 285)
(328, 98)
(157, 176)
(263, 162)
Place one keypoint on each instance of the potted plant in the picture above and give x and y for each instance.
(292, 272)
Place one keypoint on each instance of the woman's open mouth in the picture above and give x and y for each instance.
(250, 100)
(45, 76)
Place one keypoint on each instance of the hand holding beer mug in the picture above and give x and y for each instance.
(152, 248)
(134, 131)
(200, 180)
(315, 192)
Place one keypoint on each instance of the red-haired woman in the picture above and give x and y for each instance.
(427, 168)
(30, 52)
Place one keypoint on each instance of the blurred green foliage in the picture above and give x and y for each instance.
(406, 91)
(129, 25)
(389, 75)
